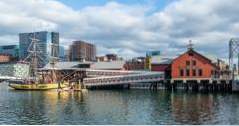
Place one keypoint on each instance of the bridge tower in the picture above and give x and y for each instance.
(234, 66)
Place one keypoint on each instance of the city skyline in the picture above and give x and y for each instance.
(127, 28)
(45, 40)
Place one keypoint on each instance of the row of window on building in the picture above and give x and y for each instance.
(194, 63)
(186, 72)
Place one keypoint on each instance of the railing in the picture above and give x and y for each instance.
(8, 78)
(148, 77)
(91, 72)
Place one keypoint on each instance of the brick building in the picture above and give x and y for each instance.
(81, 50)
(163, 66)
(111, 57)
(11, 50)
(107, 57)
(4, 58)
(137, 63)
(101, 59)
(192, 65)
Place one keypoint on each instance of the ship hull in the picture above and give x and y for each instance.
(35, 86)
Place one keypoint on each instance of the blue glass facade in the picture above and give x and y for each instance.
(62, 54)
(153, 53)
(12, 50)
(45, 44)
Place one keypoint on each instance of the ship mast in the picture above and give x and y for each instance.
(33, 57)
(53, 59)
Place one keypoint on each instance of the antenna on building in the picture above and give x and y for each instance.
(190, 45)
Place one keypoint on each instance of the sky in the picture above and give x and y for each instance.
(128, 28)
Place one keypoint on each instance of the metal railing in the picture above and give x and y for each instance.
(124, 79)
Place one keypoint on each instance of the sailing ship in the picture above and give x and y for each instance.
(36, 81)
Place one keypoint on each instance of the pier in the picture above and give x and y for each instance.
(91, 78)
(202, 85)
(111, 79)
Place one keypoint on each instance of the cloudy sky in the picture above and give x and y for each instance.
(128, 28)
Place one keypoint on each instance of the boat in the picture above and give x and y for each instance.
(48, 86)
(36, 81)
(26, 84)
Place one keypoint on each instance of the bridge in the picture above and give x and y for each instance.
(143, 77)
(94, 78)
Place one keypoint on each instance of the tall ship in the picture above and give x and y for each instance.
(36, 80)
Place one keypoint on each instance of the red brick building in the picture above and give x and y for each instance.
(137, 63)
(159, 67)
(4, 58)
(163, 66)
(192, 65)
(80, 51)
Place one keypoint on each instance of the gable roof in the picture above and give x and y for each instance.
(202, 56)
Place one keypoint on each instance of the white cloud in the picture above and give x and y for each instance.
(129, 30)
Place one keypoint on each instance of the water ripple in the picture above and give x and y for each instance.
(117, 107)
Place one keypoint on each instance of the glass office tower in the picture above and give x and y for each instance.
(46, 42)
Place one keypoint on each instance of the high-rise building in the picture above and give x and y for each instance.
(47, 44)
(80, 51)
(61, 51)
(63, 54)
(11, 50)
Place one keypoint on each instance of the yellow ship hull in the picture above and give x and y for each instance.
(35, 86)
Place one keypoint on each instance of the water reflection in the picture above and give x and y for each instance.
(64, 106)
(116, 107)
(193, 108)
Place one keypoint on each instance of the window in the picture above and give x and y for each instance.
(188, 63)
(190, 54)
(200, 72)
(194, 72)
(187, 72)
(212, 72)
(194, 63)
(181, 72)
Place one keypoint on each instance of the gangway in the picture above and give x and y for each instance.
(147, 77)
(92, 77)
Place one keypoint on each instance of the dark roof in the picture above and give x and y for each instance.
(204, 57)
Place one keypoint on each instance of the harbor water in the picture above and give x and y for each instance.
(117, 107)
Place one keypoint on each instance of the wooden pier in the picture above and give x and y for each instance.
(200, 85)
(189, 85)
